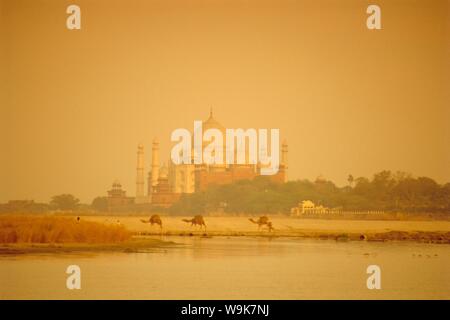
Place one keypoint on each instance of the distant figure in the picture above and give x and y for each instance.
(154, 219)
(197, 220)
(262, 221)
(78, 219)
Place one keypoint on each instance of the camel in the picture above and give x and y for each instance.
(197, 220)
(154, 219)
(262, 221)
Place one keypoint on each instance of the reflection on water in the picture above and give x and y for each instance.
(237, 268)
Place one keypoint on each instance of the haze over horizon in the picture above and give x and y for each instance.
(75, 104)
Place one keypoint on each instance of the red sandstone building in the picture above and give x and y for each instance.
(117, 198)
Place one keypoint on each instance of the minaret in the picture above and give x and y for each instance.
(140, 175)
(149, 186)
(155, 162)
(284, 158)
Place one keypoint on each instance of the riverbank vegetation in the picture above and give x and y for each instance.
(51, 229)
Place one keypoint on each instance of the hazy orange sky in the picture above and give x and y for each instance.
(75, 104)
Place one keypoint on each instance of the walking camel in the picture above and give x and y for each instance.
(262, 221)
(197, 220)
(154, 219)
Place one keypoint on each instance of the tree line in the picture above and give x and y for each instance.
(387, 191)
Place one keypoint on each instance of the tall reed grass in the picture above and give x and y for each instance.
(51, 229)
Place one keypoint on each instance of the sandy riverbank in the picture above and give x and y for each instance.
(373, 230)
(147, 238)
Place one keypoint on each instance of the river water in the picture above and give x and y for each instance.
(237, 268)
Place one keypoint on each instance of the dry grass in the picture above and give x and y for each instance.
(50, 229)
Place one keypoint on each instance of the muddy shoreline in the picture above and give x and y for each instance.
(419, 236)
(133, 246)
(149, 242)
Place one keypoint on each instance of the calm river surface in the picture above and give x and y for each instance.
(237, 268)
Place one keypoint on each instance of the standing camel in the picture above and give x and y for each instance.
(197, 220)
(154, 219)
(262, 221)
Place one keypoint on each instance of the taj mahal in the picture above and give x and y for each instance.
(165, 184)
